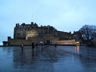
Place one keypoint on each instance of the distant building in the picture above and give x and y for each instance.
(29, 33)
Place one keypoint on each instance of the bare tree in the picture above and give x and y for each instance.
(87, 32)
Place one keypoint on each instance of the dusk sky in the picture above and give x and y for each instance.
(64, 15)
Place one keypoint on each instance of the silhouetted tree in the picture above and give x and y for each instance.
(88, 32)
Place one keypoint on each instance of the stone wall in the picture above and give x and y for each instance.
(13, 42)
(64, 42)
(24, 31)
(31, 34)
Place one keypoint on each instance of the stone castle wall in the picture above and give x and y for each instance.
(29, 33)
(26, 31)
(13, 42)
(64, 42)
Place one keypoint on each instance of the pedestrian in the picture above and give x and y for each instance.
(33, 49)
(33, 46)
(22, 45)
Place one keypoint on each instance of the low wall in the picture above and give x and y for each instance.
(64, 42)
(13, 42)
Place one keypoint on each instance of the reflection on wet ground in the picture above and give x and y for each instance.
(48, 59)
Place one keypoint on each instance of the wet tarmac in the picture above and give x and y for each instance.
(48, 59)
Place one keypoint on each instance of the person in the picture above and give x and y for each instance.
(22, 46)
(33, 49)
(33, 46)
(55, 48)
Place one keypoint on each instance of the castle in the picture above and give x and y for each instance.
(29, 33)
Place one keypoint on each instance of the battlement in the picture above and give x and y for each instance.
(26, 26)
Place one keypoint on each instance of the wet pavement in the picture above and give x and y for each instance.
(48, 59)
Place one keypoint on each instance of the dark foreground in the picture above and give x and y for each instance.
(48, 59)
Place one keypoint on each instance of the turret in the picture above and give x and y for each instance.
(17, 25)
(32, 23)
(23, 24)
